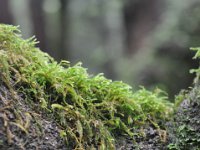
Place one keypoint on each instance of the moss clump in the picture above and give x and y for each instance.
(90, 110)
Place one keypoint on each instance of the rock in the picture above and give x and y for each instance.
(186, 129)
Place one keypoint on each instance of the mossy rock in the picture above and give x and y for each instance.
(186, 129)
(49, 105)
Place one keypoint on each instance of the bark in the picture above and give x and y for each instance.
(5, 14)
(140, 18)
(64, 20)
(37, 16)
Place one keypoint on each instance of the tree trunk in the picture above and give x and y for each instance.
(5, 14)
(37, 15)
(64, 20)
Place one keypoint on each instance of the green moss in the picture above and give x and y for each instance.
(91, 110)
(186, 129)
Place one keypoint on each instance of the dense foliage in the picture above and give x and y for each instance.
(91, 110)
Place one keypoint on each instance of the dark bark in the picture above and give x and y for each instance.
(140, 17)
(64, 20)
(38, 21)
(5, 14)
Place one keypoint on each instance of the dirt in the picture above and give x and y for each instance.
(21, 127)
(151, 140)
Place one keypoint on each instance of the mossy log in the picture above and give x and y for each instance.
(46, 104)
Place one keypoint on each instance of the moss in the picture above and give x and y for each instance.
(185, 129)
(91, 110)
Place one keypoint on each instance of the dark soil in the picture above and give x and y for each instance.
(21, 127)
(151, 140)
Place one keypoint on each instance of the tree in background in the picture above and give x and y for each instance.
(38, 21)
(5, 14)
(140, 19)
(163, 51)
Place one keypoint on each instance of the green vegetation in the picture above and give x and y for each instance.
(197, 71)
(91, 110)
(186, 127)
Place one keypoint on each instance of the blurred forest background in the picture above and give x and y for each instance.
(142, 42)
